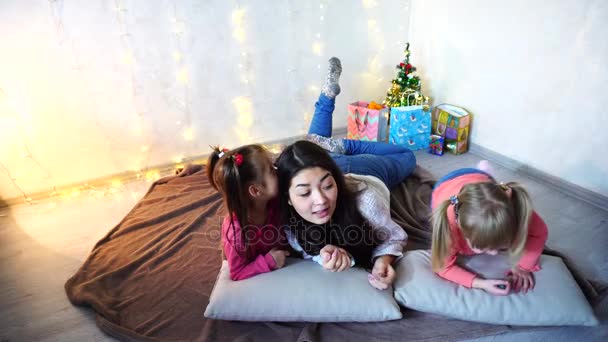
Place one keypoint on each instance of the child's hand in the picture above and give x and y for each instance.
(496, 287)
(279, 256)
(334, 258)
(383, 274)
(522, 280)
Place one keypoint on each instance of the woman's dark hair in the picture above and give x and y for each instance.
(347, 228)
(232, 180)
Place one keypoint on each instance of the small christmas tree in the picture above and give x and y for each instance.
(405, 89)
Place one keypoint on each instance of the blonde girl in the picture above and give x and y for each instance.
(473, 214)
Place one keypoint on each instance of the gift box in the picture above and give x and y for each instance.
(436, 144)
(454, 124)
(410, 126)
(367, 124)
(456, 147)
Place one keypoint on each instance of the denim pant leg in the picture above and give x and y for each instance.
(322, 118)
(391, 169)
(373, 147)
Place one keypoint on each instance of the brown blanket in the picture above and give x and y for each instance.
(151, 276)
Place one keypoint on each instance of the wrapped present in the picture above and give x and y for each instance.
(455, 146)
(366, 123)
(410, 126)
(436, 144)
(454, 124)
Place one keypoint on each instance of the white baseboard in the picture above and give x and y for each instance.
(559, 184)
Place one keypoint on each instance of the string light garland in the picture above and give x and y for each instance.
(182, 76)
(314, 47)
(242, 103)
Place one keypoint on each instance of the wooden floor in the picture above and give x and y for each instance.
(41, 245)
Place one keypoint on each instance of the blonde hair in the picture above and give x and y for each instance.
(490, 215)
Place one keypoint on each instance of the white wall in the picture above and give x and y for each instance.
(533, 73)
(93, 88)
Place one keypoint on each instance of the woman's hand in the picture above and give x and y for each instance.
(335, 259)
(521, 279)
(383, 274)
(496, 287)
(279, 256)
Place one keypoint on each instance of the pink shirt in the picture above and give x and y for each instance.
(535, 243)
(261, 240)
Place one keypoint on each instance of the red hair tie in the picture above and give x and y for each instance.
(238, 159)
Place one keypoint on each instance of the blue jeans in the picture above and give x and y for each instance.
(390, 163)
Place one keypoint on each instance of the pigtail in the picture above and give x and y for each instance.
(522, 210)
(214, 157)
(236, 202)
(441, 240)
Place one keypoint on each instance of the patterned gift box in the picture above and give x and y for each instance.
(436, 144)
(454, 124)
(365, 123)
(410, 126)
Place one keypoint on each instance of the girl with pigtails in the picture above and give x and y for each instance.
(251, 240)
(473, 214)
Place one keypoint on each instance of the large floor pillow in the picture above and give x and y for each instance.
(301, 291)
(555, 300)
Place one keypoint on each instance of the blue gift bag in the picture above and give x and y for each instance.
(410, 126)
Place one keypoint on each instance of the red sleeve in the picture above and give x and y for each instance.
(456, 274)
(537, 236)
(240, 267)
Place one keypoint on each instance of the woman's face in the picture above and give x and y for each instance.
(313, 193)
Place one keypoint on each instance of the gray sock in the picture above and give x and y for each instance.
(331, 88)
(328, 144)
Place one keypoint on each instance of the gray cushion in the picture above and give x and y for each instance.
(555, 300)
(301, 291)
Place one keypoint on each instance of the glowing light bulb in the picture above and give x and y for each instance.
(317, 48)
(75, 192)
(128, 59)
(152, 175)
(182, 75)
(177, 56)
(369, 3)
(244, 110)
(237, 20)
(188, 134)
